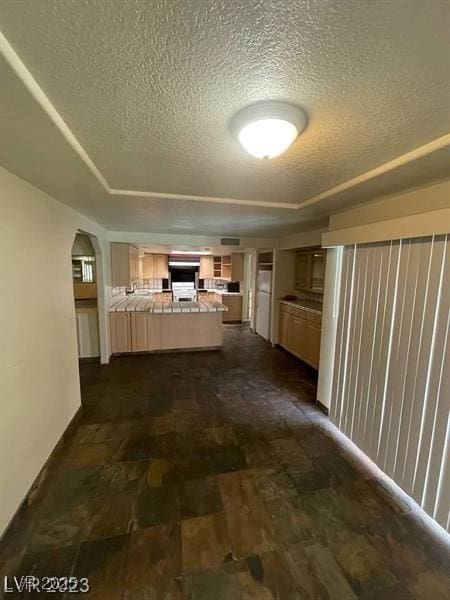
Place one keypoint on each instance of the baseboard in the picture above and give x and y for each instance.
(322, 407)
(36, 486)
(89, 360)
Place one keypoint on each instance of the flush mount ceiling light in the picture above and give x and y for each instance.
(267, 129)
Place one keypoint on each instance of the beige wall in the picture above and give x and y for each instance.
(413, 214)
(303, 239)
(39, 383)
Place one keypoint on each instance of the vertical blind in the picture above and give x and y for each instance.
(391, 379)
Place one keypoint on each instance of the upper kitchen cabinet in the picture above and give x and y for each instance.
(206, 270)
(161, 266)
(148, 266)
(155, 265)
(124, 264)
(310, 270)
(230, 267)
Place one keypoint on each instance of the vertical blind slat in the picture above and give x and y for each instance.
(423, 362)
(391, 382)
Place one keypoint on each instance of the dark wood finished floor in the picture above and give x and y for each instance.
(211, 476)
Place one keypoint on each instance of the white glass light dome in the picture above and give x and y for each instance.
(267, 129)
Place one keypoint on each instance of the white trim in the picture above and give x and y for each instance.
(436, 222)
(399, 161)
(212, 199)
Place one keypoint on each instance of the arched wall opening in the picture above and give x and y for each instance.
(101, 292)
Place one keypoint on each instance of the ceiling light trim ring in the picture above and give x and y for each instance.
(267, 129)
(269, 110)
(42, 99)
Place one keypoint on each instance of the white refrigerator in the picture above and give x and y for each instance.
(263, 303)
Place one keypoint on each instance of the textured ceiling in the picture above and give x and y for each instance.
(149, 88)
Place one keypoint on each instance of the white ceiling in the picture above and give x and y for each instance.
(147, 90)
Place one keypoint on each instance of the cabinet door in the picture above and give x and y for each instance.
(237, 267)
(206, 270)
(313, 333)
(133, 258)
(317, 282)
(234, 305)
(297, 337)
(120, 332)
(161, 266)
(139, 332)
(302, 270)
(149, 266)
(284, 325)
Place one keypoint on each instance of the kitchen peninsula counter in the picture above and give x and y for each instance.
(146, 304)
(140, 325)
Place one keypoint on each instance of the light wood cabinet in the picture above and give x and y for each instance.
(83, 291)
(312, 345)
(206, 270)
(120, 328)
(139, 332)
(144, 332)
(284, 328)
(155, 265)
(299, 332)
(161, 266)
(124, 264)
(230, 267)
(148, 267)
(297, 337)
(234, 305)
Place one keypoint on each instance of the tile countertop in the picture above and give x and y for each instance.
(146, 304)
(220, 292)
(309, 305)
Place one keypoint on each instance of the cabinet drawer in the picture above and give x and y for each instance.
(299, 313)
(293, 310)
(314, 317)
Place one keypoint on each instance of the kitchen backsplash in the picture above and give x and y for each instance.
(150, 284)
(310, 296)
(115, 291)
(211, 284)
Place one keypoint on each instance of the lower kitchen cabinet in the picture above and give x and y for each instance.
(234, 305)
(120, 326)
(130, 332)
(283, 328)
(139, 332)
(298, 337)
(313, 333)
(145, 332)
(299, 332)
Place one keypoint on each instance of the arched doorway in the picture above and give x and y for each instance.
(89, 297)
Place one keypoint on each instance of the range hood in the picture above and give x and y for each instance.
(184, 261)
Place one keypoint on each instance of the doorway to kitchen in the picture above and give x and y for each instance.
(85, 290)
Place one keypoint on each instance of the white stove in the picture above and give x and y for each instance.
(184, 292)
